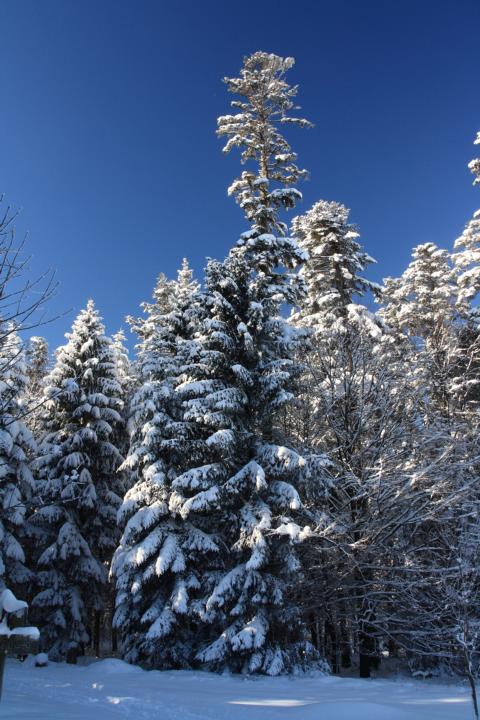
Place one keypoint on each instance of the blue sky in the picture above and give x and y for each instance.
(108, 112)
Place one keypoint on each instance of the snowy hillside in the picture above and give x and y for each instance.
(112, 689)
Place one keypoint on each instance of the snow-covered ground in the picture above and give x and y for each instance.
(112, 689)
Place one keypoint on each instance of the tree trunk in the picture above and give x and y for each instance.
(471, 680)
(346, 651)
(96, 632)
(72, 654)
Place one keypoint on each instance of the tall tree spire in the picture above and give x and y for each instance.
(266, 100)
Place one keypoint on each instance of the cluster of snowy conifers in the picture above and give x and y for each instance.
(258, 490)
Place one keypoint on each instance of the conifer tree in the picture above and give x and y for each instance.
(124, 367)
(127, 380)
(16, 448)
(242, 479)
(161, 559)
(332, 273)
(36, 362)
(75, 521)
(431, 306)
(423, 306)
(350, 414)
(466, 256)
(265, 100)
(206, 558)
(329, 311)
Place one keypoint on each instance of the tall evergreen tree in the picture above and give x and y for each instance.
(160, 561)
(242, 479)
(124, 366)
(16, 448)
(75, 521)
(431, 306)
(265, 100)
(351, 410)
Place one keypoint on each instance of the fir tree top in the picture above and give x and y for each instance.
(336, 259)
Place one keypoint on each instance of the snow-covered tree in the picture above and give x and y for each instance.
(159, 564)
(124, 368)
(125, 373)
(264, 100)
(37, 365)
(74, 524)
(474, 164)
(332, 274)
(240, 480)
(21, 299)
(16, 448)
(466, 256)
(329, 309)
(434, 616)
(206, 560)
(36, 360)
(352, 411)
(422, 305)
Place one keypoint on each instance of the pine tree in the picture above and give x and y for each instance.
(75, 520)
(242, 479)
(474, 164)
(36, 361)
(161, 559)
(16, 448)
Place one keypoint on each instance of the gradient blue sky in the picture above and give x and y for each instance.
(108, 112)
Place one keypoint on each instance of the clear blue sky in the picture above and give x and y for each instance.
(108, 112)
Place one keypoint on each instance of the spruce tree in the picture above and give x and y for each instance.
(265, 100)
(75, 521)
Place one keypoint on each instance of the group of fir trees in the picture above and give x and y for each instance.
(261, 490)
